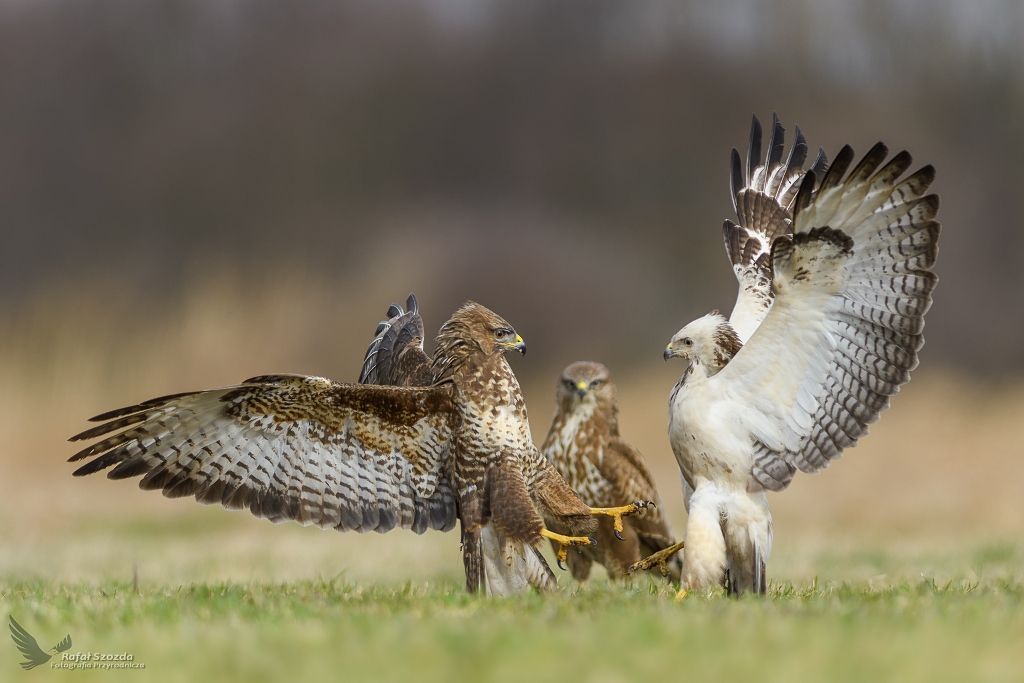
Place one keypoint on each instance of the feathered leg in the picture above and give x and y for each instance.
(704, 560)
(511, 568)
(747, 528)
(473, 557)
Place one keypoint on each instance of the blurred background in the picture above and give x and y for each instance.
(194, 192)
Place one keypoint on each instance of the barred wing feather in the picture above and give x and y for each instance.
(851, 289)
(290, 447)
(763, 199)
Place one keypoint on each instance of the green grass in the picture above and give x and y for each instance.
(337, 630)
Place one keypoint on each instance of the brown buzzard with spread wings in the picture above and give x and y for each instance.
(358, 457)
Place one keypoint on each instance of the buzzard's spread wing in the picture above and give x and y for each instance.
(851, 286)
(289, 447)
(396, 356)
(763, 200)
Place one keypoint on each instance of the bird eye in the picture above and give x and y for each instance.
(688, 341)
(502, 334)
(596, 383)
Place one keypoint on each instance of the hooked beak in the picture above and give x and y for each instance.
(519, 345)
(669, 353)
(581, 389)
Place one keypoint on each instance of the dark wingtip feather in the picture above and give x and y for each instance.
(133, 467)
(145, 405)
(896, 167)
(805, 194)
(735, 179)
(820, 165)
(920, 180)
(113, 414)
(776, 144)
(867, 165)
(394, 311)
(91, 467)
(798, 153)
(753, 148)
(411, 304)
(838, 169)
(114, 425)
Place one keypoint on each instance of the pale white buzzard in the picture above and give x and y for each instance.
(835, 279)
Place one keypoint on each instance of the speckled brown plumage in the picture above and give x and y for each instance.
(353, 456)
(585, 447)
(496, 432)
(499, 474)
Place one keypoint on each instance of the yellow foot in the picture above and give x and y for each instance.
(680, 595)
(619, 512)
(564, 542)
(658, 559)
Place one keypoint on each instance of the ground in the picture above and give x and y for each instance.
(305, 602)
(339, 630)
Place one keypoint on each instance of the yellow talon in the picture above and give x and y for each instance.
(564, 542)
(618, 513)
(680, 595)
(657, 559)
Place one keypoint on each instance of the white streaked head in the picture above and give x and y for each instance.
(709, 341)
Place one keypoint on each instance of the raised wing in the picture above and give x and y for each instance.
(852, 286)
(763, 200)
(396, 356)
(27, 645)
(289, 447)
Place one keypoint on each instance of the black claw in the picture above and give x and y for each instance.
(559, 561)
(593, 541)
(618, 535)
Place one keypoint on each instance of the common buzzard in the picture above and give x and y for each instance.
(586, 448)
(838, 265)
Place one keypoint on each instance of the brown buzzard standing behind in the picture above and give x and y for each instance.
(604, 470)
(357, 457)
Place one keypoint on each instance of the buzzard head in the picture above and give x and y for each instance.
(476, 328)
(585, 383)
(709, 341)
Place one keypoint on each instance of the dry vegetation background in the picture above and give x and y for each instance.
(192, 193)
